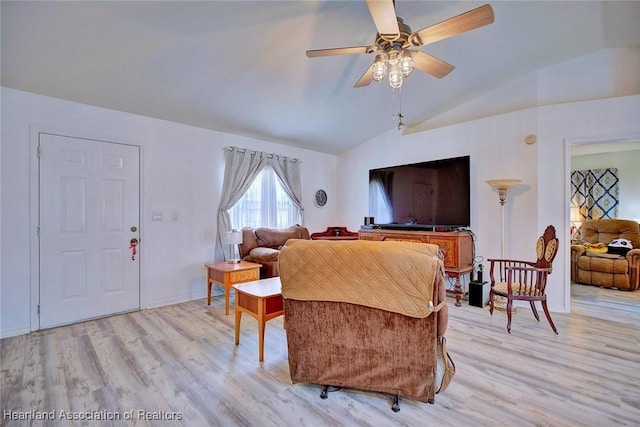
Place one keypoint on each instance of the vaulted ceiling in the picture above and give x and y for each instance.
(240, 66)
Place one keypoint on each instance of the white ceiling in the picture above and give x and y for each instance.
(240, 66)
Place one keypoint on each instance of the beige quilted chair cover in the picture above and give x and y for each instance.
(392, 276)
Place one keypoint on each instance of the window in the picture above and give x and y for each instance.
(379, 204)
(265, 204)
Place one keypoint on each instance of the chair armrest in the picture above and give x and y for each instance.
(633, 258)
(498, 268)
(531, 269)
(576, 252)
(510, 261)
(249, 241)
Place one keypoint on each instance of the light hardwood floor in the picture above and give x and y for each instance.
(181, 361)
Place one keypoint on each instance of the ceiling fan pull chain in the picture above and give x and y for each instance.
(399, 109)
(394, 103)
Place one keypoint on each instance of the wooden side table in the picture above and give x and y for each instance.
(262, 299)
(227, 274)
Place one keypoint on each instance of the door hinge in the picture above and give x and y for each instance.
(38, 231)
(38, 151)
(38, 309)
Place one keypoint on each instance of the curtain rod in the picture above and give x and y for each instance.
(262, 153)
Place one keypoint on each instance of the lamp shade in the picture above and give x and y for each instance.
(503, 184)
(234, 237)
(576, 216)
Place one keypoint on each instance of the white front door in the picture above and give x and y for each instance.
(89, 212)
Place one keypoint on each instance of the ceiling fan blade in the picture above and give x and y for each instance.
(430, 64)
(467, 21)
(384, 16)
(340, 51)
(366, 78)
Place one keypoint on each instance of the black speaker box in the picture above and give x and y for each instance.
(478, 294)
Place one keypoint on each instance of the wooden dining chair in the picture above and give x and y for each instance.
(518, 280)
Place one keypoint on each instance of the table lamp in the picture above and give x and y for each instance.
(575, 220)
(234, 239)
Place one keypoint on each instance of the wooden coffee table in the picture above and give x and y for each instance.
(262, 300)
(227, 274)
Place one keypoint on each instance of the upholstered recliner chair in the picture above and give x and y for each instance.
(607, 269)
(262, 246)
(364, 315)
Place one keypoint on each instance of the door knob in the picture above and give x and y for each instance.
(133, 245)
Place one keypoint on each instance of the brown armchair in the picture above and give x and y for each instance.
(262, 246)
(525, 280)
(364, 315)
(605, 269)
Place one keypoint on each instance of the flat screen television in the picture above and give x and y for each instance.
(427, 195)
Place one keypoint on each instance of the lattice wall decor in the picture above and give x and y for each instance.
(595, 192)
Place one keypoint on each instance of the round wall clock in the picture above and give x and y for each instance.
(320, 198)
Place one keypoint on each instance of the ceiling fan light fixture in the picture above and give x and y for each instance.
(406, 65)
(379, 69)
(395, 77)
(394, 54)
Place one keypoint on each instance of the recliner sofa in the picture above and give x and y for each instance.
(606, 269)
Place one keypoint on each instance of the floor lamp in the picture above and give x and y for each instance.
(502, 185)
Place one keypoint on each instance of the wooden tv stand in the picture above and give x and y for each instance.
(457, 247)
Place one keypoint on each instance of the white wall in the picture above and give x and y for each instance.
(181, 172)
(495, 144)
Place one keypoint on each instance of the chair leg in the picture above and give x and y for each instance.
(509, 305)
(546, 313)
(396, 403)
(491, 302)
(535, 312)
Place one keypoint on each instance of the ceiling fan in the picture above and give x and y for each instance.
(395, 45)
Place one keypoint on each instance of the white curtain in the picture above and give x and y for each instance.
(288, 172)
(242, 166)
